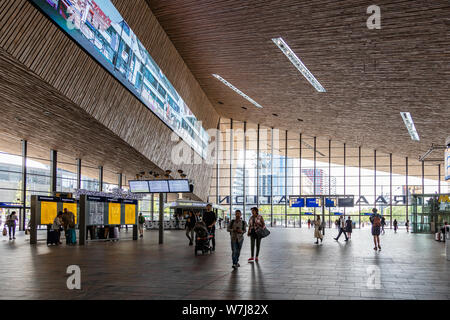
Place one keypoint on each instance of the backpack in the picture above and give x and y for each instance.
(376, 221)
(141, 219)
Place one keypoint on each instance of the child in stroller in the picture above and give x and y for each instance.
(202, 238)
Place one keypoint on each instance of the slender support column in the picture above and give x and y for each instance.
(439, 178)
(329, 181)
(78, 173)
(119, 180)
(359, 184)
(100, 178)
(314, 173)
(218, 145)
(407, 188)
(390, 189)
(285, 179)
(257, 167)
(22, 215)
(375, 178)
(161, 218)
(152, 206)
(231, 168)
(244, 175)
(271, 178)
(53, 170)
(300, 174)
(345, 175)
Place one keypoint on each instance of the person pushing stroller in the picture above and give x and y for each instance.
(202, 237)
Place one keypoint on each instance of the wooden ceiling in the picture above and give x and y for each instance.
(370, 75)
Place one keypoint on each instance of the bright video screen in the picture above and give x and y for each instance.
(157, 186)
(179, 186)
(137, 186)
(100, 29)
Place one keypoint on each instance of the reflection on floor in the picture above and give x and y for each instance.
(291, 266)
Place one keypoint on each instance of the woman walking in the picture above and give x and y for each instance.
(11, 223)
(318, 230)
(395, 225)
(255, 223)
(349, 227)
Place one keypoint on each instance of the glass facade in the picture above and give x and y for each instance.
(263, 167)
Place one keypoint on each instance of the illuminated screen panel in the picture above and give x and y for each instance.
(137, 186)
(99, 28)
(179, 185)
(48, 212)
(157, 186)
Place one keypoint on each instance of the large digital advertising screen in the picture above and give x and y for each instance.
(99, 28)
(447, 163)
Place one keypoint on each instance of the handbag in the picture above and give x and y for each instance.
(5, 232)
(262, 233)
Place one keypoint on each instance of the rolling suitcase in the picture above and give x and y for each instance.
(72, 236)
(52, 236)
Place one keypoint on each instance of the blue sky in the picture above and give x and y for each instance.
(109, 9)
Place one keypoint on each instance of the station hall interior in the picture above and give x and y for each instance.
(130, 116)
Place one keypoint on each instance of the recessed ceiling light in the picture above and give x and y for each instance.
(407, 119)
(245, 108)
(298, 63)
(237, 90)
(301, 120)
(219, 102)
(274, 114)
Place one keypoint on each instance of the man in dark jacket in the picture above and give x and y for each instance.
(209, 218)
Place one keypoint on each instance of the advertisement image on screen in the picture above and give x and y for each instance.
(179, 186)
(99, 28)
(297, 202)
(312, 202)
(157, 186)
(137, 186)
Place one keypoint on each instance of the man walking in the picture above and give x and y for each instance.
(209, 218)
(237, 229)
(341, 226)
(141, 221)
(375, 219)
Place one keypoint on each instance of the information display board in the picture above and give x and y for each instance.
(130, 212)
(345, 202)
(96, 211)
(71, 206)
(114, 208)
(330, 202)
(49, 210)
(139, 186)
(157, 186)
(312, 202)
(297, 202)
(179, 185)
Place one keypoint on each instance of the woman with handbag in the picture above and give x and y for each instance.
(318, 230)
(255, 226)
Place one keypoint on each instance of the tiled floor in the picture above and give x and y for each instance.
(412, 266)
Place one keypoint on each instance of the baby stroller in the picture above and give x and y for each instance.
(202, 238)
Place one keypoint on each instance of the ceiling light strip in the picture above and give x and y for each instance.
(237, 90)
(409, 123)
(282, 45)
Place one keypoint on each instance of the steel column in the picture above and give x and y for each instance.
(22, 215)
(53, 170)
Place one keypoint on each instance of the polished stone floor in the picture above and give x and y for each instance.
(291, 266)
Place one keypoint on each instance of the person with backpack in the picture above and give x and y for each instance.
(395, 225)
(141, 221)
(237, 228)
(11, 223)
(375, 219)
(341, 226)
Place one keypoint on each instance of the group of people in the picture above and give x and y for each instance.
(237, 228)
(65, 220)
